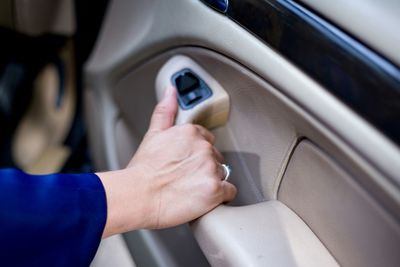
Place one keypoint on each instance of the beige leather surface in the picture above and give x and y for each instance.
(356, 229)
(373, 22)
(264, 234)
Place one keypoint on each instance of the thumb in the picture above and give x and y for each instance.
(164, 113)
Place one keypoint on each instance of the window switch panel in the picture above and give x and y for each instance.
(191, 89)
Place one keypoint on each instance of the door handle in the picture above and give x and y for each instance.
(202, 100)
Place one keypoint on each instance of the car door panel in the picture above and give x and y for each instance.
(352, 225)
(288, 139)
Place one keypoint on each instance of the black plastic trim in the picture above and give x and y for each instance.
(361, 78)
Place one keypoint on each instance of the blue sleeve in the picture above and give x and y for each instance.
(50, 220)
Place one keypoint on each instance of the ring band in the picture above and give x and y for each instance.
(227, 171)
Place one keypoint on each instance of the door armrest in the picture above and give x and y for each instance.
(264, 234)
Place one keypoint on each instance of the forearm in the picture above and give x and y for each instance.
(50, 218)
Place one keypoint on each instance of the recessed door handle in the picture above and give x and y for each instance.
(192, 90)
(202, 100)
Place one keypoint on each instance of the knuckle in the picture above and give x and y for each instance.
(213, 187)
(189, 129)
(206, 131)
(234, 191)
(204, 145)
(212, 137)
(200, 128)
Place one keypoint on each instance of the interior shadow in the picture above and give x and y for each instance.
(245, 176)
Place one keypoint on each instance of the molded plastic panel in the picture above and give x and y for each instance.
(351, 224)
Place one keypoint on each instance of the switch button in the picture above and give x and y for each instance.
(187, 82)
(191, 89)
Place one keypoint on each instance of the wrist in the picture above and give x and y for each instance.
(126, 203)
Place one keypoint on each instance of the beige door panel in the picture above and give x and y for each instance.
(263, 129)
(356, 229)
(274, 107)
(263, 122)
(152, 29)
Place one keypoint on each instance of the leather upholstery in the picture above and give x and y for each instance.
(351, 224)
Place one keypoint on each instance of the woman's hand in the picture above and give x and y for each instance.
(174, 177)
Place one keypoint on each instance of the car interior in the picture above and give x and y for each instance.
(303, 98)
